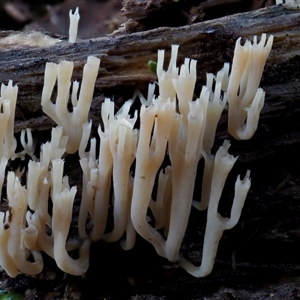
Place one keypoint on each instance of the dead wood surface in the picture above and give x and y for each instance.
(124, 67)
(124, 58)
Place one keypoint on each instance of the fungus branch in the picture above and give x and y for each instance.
(161, 157)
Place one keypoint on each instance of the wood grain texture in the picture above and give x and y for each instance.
(124, 65)
(124, 57)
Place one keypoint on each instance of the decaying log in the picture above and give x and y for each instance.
(124, 67)
(148, 14)
(124, 58)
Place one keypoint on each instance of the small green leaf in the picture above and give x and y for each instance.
(152, 65)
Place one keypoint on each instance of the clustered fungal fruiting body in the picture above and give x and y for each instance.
(73, 28)
(129, 163)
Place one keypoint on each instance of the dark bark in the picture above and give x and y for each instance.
(124, 67)
(124, 58)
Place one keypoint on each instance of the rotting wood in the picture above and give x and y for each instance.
(124, 58)
(149, 14)
(124, 61)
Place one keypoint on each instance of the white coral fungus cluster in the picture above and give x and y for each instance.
(127, 169)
